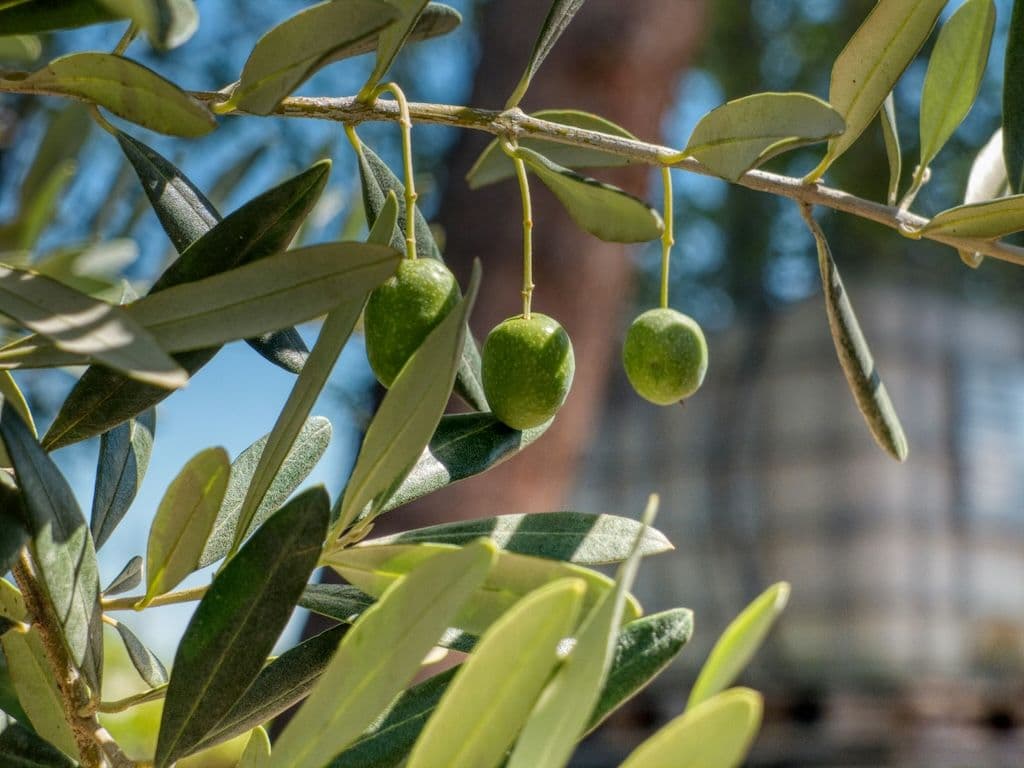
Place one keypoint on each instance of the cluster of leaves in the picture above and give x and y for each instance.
(518, 587)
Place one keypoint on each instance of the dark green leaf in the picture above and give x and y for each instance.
(61, 546)
(263, 226)
(574, 537)
(308, 448)
(494, 165)
(186, 215)
(281, 684)
(408, 415)
(463, 445)
(167, 23)
(47, 15)
(601, 209)
(128, 579)
(1013, 99)
(391, 40)
(238, 621)
(21, 748)
(14, 532)
(291, 52)
(854, 354)
(149, 667)
(126, 88)
(377, 181)
(557, 20)
(122, 463)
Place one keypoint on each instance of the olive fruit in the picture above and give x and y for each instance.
(527, 370)
(665, 356)
(403, 310)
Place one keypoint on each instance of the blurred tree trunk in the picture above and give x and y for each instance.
(622, 61)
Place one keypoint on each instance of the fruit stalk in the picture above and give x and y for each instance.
(524, 191)
(405, 121)
(667, 238)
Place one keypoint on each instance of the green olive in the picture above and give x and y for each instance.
(528, 366)
(665, 356)
(403, 310)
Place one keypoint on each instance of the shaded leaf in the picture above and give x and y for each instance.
(374, 568)
(48, 15)
(408, 415)
(281, 684)
(149, 667)
(238, 621)
(987, 220)
(558, 18)
(379, 655)
(128, 579)
(377, 181)
(126, 88)
(893, 153)
(1013, 99)
(167, 23)
(23, 48)
(718, 732)
(184, 520)
(494, 165)
(61, 546)
(743, 133)
(463, 445)
(574, 537)
(291, 52)
(854, 354)
(309, 447)
(14, 533)
(391, 40)
(85, 326)
(341, 602)
(872, 61)
(120, 468)
(186, 215)
(738, 644)
(38, 212)
(37, 689)
(21, 747)
(263, 226)
(563, 711)
(955, 69)
(601, 209)
(478, 717)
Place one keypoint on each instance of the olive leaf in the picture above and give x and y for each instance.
(893, 153)
(738, 644)
(379, 655)
(1013, 99)
(408, 415)
(128, 579)
(986, 181)
(719, 732)
(14, 533)
(49, 15)
(463, 445)
(487, 703)
(257, 750)
(954, 75)
(237, 623)
(120, 467)
(149, 667)
(601, 209)
(10, 392)
(987, 220)
(184, 520)
(743, 133)
(126, 88)
(295, 49)
(854, 354)
(872, 61)
(61, 547)
(81, 325)
(558, 18)
(309, 447)
(572, 537)
(186, 215)
(167, 23)
(377, 182)
(391, 40)
(494, 165)
(21, 746)
(262, 227)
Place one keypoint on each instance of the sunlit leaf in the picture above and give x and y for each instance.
(128, 579)
(987, 220)
(257, 750)
(893, 153)
(986, 181)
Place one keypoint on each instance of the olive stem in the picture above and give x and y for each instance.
(126, 39)
(129, 603)
(667, 238)
(524, 192)
(405, 121)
